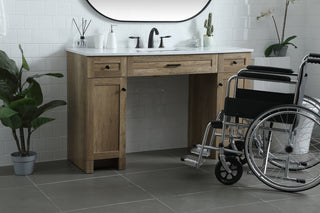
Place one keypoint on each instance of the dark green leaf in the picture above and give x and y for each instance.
(8, 64)
(34, 91)
(57, 75)
(14, 122)
(289, 39)
(277, 47)
(26, 108)
(6, 112)
(48, 106)
(5, 92)
(9, 79)
(268, 51)
(36, 123)
(24, 61)
(292, 44)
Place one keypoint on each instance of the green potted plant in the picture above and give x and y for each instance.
(22, 108)
(208, 37)
(279, 48)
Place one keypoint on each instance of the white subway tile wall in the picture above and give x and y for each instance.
(312, 38)
(157, 109)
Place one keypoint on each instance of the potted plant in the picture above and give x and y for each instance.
(22, 108)
(279, 48)
(208, 37)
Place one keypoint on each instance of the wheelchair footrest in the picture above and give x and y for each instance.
(192, 161)
(197, 149)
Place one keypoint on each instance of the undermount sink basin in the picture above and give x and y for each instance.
(156, 49)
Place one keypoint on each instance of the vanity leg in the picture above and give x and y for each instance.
(89, 167)
(121, 163)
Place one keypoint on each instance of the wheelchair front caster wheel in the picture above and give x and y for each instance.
(229, 178)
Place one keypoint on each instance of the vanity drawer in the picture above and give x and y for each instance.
(171, 65)
(234, 62)
(100, 67)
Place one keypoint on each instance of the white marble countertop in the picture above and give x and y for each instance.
(156, 51)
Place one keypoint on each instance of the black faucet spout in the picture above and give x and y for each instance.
(150, 41)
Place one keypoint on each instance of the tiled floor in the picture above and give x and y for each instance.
(154, 182)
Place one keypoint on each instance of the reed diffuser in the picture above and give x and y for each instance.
(82, 29)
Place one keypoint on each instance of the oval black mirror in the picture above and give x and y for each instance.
(149, 10)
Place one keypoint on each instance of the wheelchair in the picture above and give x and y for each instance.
(276, 134)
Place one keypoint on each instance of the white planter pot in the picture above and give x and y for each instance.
(23, 165)
(207, 41)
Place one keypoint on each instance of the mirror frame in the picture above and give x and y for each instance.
(209, 1)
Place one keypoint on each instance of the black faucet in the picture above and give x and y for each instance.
(150, 41)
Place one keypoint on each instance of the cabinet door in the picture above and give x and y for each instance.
(222, 89)
(106, 117)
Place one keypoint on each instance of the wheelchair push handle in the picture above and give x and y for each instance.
(313, 60)
(314, 55)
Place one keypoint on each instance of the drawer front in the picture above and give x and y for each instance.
(234, 62)
(100, 67)
(171, 65)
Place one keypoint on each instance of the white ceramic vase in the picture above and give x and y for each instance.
(207, 41)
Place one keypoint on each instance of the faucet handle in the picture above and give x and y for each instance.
(138, 40)
(161, 40)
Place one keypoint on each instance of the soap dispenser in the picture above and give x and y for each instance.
(112, 40)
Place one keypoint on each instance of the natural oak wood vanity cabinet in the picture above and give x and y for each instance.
(97, 98)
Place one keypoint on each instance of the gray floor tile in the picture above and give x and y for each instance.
(301, 204)
(147, 161)
(14, 181)
(266, 193)
(93, 192)
(179, 152)
(159, 173)
(56, 171)
(25, 199)
(6, 170)
(218, 197)
(174, 181)
(149, 206)
(251, 208)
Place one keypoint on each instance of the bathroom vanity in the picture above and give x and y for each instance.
(97, 85)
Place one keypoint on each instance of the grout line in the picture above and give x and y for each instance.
(229, 206)
(79, 179)
(113, 204)
(148, 171)
(280, 209)
(44, 194)
(153, 196)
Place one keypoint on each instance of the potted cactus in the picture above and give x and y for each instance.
(22, 107)
(208, 37)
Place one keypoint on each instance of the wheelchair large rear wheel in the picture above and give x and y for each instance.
(283, 148)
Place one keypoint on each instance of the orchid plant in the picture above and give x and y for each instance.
(281, 39)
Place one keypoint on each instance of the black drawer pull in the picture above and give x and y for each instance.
(107, 67)
(220, 84)
(123, 89)
(235, 62)
(173, 65)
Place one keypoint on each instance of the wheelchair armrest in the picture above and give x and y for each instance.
(265, 69)
(263, 76)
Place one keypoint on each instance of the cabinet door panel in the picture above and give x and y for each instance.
(105, 116)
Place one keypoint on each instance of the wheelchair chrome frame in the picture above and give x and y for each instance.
(237, 130)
